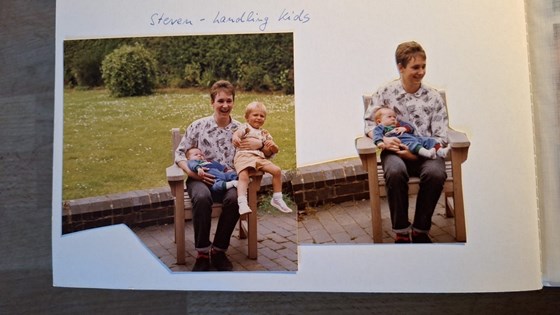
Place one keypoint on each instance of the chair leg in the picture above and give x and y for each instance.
(243, 226)
(179, 191)
(375, 203)
(254, 187)
(458, 156)
(449, 205)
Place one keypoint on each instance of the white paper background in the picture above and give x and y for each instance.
(476, 51)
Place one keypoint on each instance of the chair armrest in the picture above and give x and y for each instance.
(457, 139)
(174, 173)
(365, 145)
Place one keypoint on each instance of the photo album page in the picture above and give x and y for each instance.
(148, 92)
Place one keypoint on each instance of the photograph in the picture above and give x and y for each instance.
(409, 169)
(141, 115)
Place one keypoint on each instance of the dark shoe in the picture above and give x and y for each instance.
(202, 263)
(220, 261)
(419, 237)
(402, 238)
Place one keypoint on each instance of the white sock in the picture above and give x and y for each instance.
(243, 205)
(277, 195)
(231, 184)
(430, 154)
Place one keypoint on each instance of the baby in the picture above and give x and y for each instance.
(255, 116)
(224, 178)
(389, 126)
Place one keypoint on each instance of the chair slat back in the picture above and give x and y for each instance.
(175, 140)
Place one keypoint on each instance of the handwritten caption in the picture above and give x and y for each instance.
(246, 17)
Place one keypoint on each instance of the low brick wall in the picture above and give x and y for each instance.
(310, 186)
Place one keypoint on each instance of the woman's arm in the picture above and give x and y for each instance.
(206, 178)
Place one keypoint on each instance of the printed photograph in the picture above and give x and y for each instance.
(406, 185)
(189, 141)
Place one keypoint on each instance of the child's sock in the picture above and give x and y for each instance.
(278, 202)
(231, 184)
(430, 154)
(243, 205)
(442, 152)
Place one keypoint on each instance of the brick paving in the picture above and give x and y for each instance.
(278, 235)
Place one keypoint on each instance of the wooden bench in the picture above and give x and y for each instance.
(183, 206)
(453, 187)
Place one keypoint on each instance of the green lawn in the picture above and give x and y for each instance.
(119, 144)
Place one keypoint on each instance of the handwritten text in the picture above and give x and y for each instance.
(252, 17)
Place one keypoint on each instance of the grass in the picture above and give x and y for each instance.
(114, 145)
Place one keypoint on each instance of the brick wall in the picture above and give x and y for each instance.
(310, 186)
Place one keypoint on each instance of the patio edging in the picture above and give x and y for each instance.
(311, 186)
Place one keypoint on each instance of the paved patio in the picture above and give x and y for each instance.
(279, 234)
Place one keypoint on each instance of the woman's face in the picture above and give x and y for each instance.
(414, 72)
(223, 104)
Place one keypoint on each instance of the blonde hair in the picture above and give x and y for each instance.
(379, 112)
(253, 106)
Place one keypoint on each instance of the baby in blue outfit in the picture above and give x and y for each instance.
(224, 178)
(389, 126)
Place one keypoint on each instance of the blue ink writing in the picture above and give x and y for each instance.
(161, 19)
(302, 16)
(245, 17)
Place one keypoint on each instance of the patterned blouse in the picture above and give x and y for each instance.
(214, 141)
(424, 110)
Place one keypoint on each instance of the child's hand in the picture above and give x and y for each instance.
(201, 171)
(381, 145)
(399, 130)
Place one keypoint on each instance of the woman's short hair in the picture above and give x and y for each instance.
(220, 86)
(408, 50)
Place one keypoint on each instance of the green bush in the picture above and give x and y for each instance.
(207, 79)
(286, 81)
(85, 70)
(129, 71)
(252, 78)
(192, 74)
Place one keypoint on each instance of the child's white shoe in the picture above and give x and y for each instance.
(280, 205)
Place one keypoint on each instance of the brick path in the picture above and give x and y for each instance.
(278, 235)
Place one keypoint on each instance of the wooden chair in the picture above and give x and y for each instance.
(183, 206)
(453, 187)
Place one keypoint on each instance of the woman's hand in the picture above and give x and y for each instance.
(236, 140)
(271, 146)
(407, 155)
(206, 178)
(250, 144)
(393, 144)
